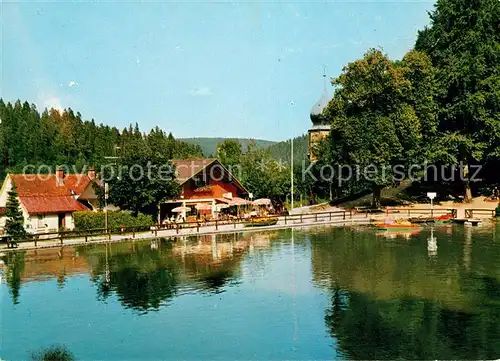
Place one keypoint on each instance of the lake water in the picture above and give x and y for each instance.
(317, 293)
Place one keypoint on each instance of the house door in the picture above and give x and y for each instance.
(62, 221)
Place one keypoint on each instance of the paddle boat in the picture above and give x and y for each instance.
(420, 220)
(262, 222)
(444, 219)
(398, 225)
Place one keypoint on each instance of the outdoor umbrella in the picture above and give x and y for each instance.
(262, 202)
(181, 209)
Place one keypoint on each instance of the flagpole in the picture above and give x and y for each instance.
(291, 172)
(291, 161)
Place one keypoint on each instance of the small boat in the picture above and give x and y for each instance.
(262, 221)
(398, 226)
(419, 220)
(444, 219)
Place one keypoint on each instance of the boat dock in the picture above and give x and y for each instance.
(473, 222)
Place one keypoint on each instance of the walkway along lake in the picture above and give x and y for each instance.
(315, 293)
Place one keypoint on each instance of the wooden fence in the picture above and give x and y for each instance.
(235, 223)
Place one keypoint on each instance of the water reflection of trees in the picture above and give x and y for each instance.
(145, 277)
(391, 301)
(13, 266)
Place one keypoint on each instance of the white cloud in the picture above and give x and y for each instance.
(202, 91)
(293, 50)
(73, 84)
(52, 102)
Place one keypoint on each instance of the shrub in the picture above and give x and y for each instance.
(96, 220)
(52, 353)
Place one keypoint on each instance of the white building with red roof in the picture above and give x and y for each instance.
(48, 201)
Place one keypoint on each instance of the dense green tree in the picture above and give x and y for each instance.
(141, 181)
(374, 127)
(14, 224)
(264, 176)
(62, 137)
(229, 152)
(281, 151)
(463, 41)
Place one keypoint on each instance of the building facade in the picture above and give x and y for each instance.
(205, 185)
(48, 201)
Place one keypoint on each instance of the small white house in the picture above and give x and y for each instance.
(48, 201)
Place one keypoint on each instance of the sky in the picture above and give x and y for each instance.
(198, 69)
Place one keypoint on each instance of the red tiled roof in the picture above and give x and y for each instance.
(77, 182)
(188, 168)
(32, 185)
(42, 194)
(46, 185)
(44, 205)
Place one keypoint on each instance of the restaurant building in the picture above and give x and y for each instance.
(206, 186)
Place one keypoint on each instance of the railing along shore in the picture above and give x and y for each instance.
(236, 223)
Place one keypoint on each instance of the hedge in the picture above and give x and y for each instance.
(96, 220)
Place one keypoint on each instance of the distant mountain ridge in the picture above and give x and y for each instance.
(209, 145)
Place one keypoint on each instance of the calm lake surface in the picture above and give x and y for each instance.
(317, 293)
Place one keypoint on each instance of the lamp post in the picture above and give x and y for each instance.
(291, 175)
(106, 191)
(431, 196)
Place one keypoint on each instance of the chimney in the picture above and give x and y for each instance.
(60, 176)
(91, 173)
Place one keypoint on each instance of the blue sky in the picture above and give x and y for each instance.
(244, 69)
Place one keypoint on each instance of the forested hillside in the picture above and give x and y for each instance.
(281, 151)
(50, 137)
(209, 145)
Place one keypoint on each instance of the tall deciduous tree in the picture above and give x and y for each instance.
(142, 181)
(229, 152)
(14, 225)
(463, 41)
(374, 126)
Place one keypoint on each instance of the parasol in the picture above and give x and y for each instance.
(262, 202)
(181, 209)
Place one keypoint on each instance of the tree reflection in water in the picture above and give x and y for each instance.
(13, 264)
(145, 278)
(391, 301)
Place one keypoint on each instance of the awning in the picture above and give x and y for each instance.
(236, 201)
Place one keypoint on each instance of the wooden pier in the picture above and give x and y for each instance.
(467, 221)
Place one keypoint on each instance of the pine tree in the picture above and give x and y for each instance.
(14, 226)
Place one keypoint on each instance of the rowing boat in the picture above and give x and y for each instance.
(262, 221)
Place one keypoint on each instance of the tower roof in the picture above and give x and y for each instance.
(316, 115)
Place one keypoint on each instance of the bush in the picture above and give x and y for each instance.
(52, 353)
(96, 220)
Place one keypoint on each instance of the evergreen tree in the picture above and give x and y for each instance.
(14, 225)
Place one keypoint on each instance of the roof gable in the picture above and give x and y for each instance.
(189, 168)
(186, 169)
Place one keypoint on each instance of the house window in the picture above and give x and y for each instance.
(41, 221)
